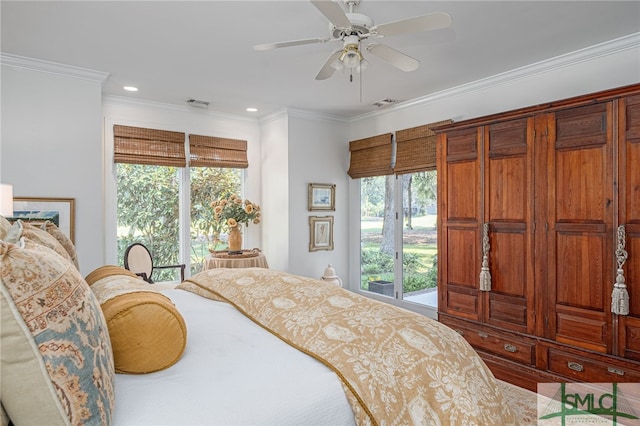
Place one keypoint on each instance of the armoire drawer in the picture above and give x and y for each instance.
(589, 370)
(505, 345)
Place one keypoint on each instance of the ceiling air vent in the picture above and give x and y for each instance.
(196, 103)
(384, 103)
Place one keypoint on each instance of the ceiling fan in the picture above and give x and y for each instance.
(353, 28)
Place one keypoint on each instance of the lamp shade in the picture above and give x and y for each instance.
(6, 200)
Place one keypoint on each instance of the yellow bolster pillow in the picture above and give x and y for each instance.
(146, 330)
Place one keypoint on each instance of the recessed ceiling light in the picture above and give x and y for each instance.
(252, 109)
(130, 88)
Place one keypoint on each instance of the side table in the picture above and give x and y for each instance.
(247, 259)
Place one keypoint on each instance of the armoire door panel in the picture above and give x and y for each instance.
(508, 311)
(507, 189)
(631, 181)
(583, 186)
(582, 127)
(580, 270)
(631, 117)
(508, 138)
(508, 261)
(462, 145)
(581, 327)
(630, 327)
(463, 301)
(463, 181)
(462, 261)
(632, 269)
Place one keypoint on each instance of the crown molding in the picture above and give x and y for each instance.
(274, 116)
(127, 101)
(314, 115)
(302, 113)
(631, 41)
(32, 64)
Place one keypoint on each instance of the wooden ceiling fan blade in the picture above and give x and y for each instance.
(431, 21)
(333, 12)
(327, 69)
(271, 46)
(397, 59)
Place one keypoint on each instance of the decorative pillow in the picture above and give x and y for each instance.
(22, 229)
(4, 227)
(147, 332)
(66, 243)
(56, 361)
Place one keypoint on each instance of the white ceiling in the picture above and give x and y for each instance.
(175, 50)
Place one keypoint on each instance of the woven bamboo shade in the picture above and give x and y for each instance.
(209, 151)
(416, 148)
(137, 145)
(371, 156)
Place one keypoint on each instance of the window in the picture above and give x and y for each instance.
(398, 237)
(412, 262)
(161, 202)
(207, 185)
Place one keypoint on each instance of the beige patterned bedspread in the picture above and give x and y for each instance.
(397, 367)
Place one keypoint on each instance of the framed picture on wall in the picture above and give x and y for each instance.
(322, 196)
(60, 211)
(320, 233)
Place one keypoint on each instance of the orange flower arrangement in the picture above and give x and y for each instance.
(232, 210)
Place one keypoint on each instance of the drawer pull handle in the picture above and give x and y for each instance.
(483, 334)
(575, 366)
(510, 348)
(460, 332)
(615, 371)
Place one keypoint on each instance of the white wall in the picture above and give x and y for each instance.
(275, 190)
(318, 153)
(51, 146)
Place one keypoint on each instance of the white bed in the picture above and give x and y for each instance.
(230, 347)
(237, 374)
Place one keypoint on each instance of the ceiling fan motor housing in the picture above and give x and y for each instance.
(360, 25)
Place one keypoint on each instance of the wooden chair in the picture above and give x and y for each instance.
(137, 259)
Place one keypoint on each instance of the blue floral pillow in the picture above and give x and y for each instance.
(56, 360)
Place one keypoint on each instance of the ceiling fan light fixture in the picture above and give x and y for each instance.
(351, 56)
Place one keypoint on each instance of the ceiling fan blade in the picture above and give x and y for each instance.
(333, 12)
(431, 21)
(270, 46)
(394, 57)
(327, 70)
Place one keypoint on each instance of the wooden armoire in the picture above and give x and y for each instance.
(539, 217)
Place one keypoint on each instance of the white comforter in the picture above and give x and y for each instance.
(232, 372)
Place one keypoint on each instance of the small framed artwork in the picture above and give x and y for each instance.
(320, 233)
(322, 196)
(60, 211)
